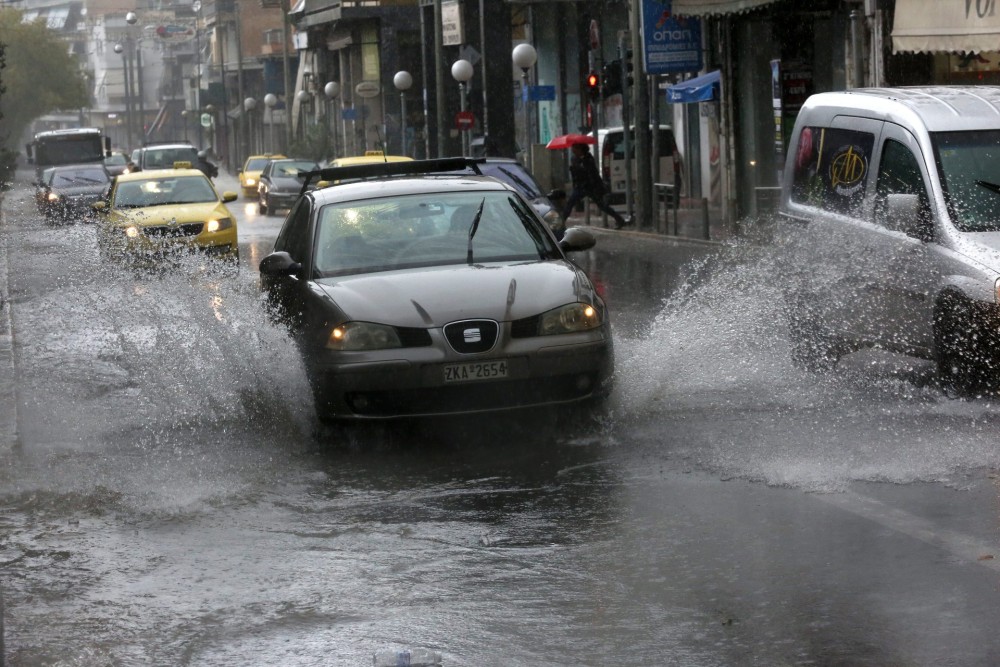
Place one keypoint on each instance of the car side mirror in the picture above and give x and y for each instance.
(229, 196)
(904, 214)
(576, 239)
(279, 264)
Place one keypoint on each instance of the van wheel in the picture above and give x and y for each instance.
(812, 349)
(963, 346)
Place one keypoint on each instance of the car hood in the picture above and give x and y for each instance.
(159, 215)
(433, 297)
(982, 247)
(80, 190)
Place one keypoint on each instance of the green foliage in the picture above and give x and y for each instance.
(40, 75)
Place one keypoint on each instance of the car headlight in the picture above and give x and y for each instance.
(568, 319)
(220, 224)
(250, 182)
(355, 336)
(53, 196)
(132, 231)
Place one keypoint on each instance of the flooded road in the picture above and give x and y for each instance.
(171, 500)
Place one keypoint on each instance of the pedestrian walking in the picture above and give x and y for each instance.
(587, 182)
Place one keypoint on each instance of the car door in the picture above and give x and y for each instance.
(909, 277)
(830, 193)
(287, 294)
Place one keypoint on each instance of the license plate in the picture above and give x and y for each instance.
(483, 370)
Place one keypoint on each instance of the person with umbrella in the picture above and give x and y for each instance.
(587, 182)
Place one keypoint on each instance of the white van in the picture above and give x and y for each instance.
(611, 160)
(896, 193)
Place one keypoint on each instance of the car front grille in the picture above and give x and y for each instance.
(472, 336)
(472, 397)
(171, 231)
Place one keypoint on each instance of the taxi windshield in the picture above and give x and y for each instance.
(163, 191)
(256, 164)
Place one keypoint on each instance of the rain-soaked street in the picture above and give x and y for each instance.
(170, 499)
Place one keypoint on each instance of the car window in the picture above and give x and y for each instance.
(291, 169)
(426, 230)
(614, 144)
(831, 168)
(899, 173)
(294, 235)
(164, 158)
(514, 174)
(163, 191)
(256, 164)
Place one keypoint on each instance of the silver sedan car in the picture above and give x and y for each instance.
(412, 294)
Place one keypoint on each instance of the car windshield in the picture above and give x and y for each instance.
(969, 162)
(422, 230)
(292, 168)
(162, 191)
(256, 164)
(514, 174)
(157, 158)
(79, 177)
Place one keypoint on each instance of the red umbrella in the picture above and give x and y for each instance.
(567, 140)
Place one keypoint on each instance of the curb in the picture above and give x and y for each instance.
(8, 399)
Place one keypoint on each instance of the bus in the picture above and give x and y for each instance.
(72, 146)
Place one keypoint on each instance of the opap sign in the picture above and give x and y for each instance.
(671, 43)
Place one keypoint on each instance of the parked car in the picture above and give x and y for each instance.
(116, 163)
(896, 192)
(610, 156)
(413, 295)
(250, 172)
(513, 173)
(66, 193)
(160, 212)
(280, 184)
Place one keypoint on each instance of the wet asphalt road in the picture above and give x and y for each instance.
(170, 500)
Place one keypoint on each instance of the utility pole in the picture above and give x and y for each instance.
(244, 114)
(644, 172)
(438, 78)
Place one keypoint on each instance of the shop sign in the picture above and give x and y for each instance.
(670, 43)
(452, 30)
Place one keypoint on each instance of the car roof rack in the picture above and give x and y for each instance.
(384, 169)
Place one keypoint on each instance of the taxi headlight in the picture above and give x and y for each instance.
(355, 336)
(250, 182)
(53, 196)
(569, 318)
(132, 231)
(220, 224)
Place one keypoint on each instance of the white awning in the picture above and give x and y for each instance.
(710, 7)
(943, 26)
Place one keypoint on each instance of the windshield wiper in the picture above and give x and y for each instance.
(474, 228)
(992, 187)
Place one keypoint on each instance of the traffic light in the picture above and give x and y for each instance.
(628, 79)
(612, 79)
(594, 85)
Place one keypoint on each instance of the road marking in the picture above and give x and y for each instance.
(962, 546)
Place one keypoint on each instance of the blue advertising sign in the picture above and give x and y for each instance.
(671, 43)
(542, 93)
(349, 114)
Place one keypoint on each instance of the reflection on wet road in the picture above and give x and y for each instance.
(171, 500)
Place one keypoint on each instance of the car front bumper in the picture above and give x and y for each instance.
(538, 375)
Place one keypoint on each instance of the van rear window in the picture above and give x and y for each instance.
(831, 168)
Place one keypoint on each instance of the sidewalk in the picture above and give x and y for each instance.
(690, 221)
(8, 397)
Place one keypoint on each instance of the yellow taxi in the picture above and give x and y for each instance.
(250, 173)
(166, 211)
(367, 158)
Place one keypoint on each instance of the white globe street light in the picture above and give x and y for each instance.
(303, 96)
(461, 71)
(332, 90)
(525, 57)
(269, 101)
(249, 104)
(403, 80)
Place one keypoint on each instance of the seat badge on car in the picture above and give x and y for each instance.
(472, 335)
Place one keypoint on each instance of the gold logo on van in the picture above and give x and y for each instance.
(847, 169)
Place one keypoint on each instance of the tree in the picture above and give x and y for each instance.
(40, 76)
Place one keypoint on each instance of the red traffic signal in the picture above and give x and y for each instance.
(593, 81)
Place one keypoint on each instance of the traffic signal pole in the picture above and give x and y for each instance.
(644, 173)
(624, 58)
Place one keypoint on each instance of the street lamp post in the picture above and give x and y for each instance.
(303, 96)
(525, 56)
(403, 80)
(249, 104)
(196, 6)
(269, 101)
(184, 114)
(332, 90)
(120, 49)
(462, 71)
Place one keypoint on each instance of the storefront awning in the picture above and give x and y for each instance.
(936, 26)
(710, 7)
(699, 89)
